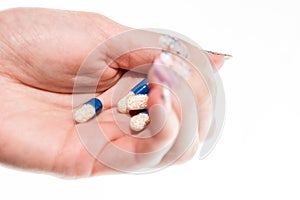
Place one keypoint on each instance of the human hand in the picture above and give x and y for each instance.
(41, 52)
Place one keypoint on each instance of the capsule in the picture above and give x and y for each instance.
(137, 102)
(140, 121)
(88, 110)
(142, 88)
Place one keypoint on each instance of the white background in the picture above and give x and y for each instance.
(257, 156)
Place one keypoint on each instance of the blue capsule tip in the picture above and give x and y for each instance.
(141, 88)
(96, 103)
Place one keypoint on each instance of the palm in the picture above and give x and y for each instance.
(39, 129)
(36, 83)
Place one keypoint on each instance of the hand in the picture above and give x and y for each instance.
(41, 51)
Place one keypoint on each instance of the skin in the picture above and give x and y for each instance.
(41, 51)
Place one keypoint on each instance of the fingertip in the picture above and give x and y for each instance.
(217, 59)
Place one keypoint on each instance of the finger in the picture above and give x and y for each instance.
(137, 60)
(217, 59)
(185, 89)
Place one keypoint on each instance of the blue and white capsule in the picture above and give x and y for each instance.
(141, 89)
(88, 110)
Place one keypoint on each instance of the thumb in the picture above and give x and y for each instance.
(47, 47)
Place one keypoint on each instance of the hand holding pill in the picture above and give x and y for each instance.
(45, 128)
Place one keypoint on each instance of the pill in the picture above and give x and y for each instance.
(141, 88)
(88, 110)
(140, 121)
(137, 102)
(122, 103)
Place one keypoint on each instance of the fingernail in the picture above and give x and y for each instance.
(226, 56)
(165, 59)
(163, 73)
(164, 68)
(137, 102)
(167, 98)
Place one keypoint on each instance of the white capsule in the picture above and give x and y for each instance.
(88, 110)
(84, 113)
(139, 121)
(122, 104)
(137, 102)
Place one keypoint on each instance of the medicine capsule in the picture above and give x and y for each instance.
(137, 102)
(140, 121)
(88, 110)
(141, 88)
